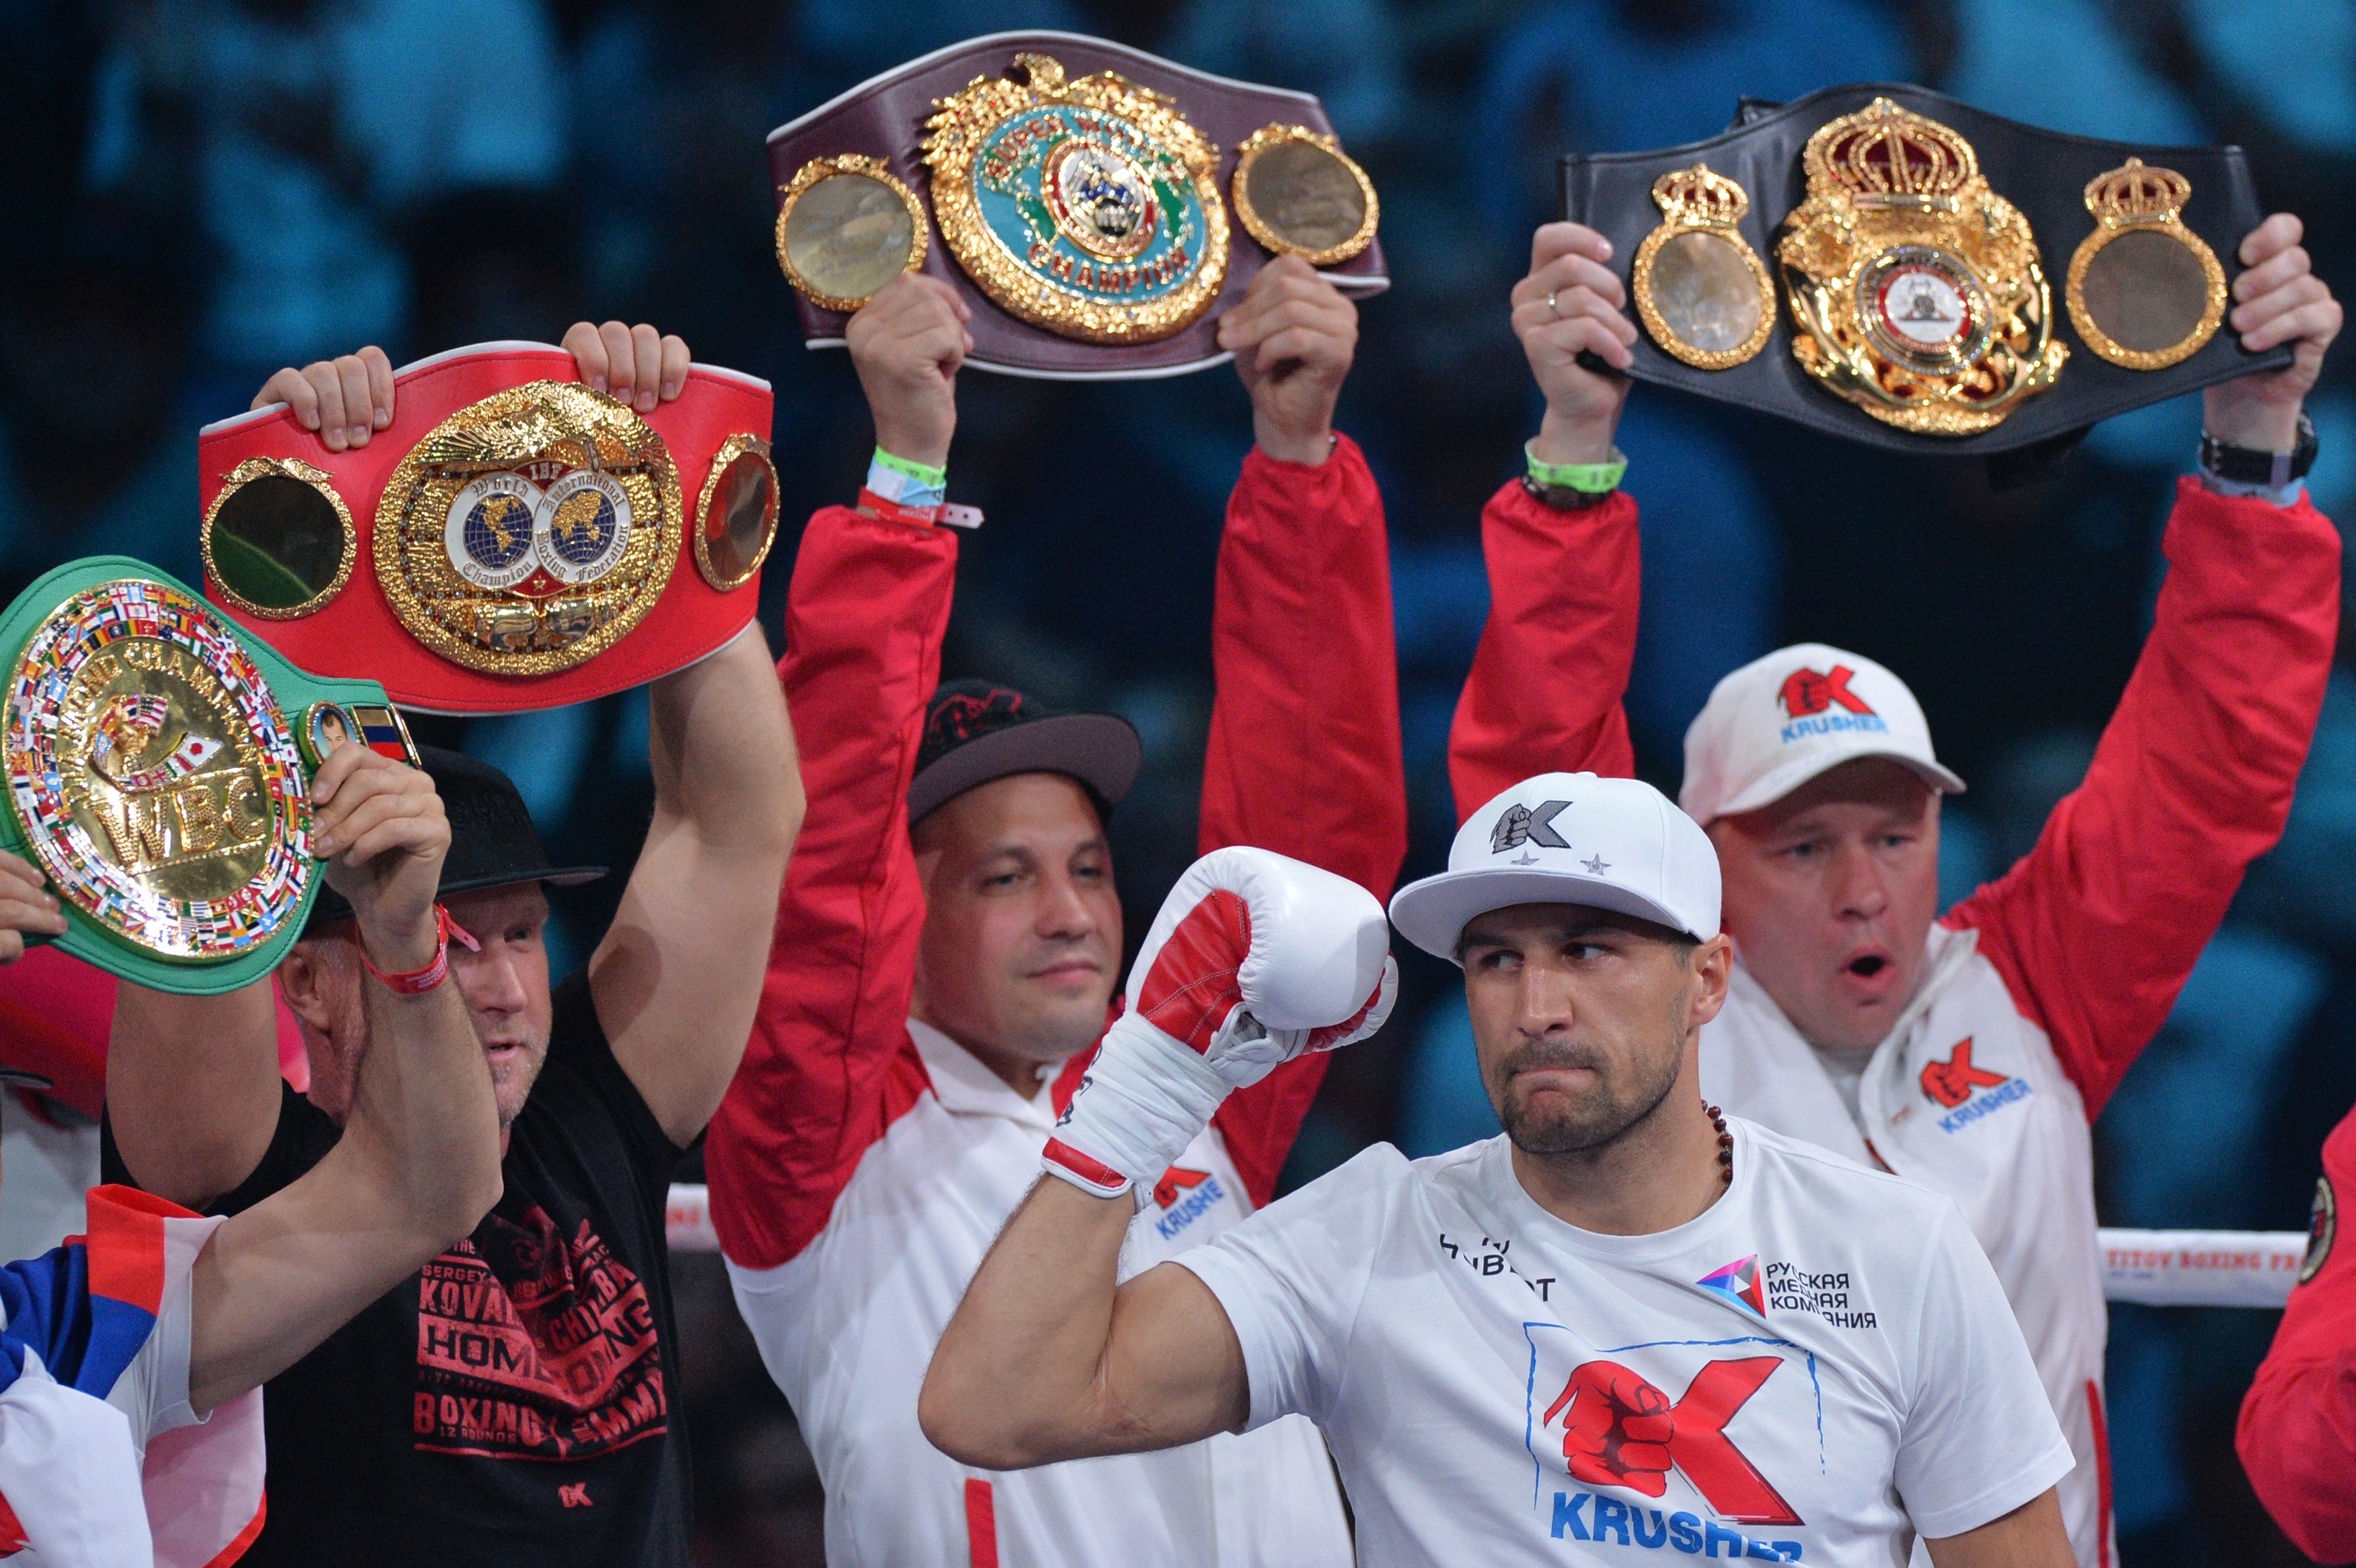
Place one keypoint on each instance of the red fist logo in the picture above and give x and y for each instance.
(1617, 1432)
(1620, 1431)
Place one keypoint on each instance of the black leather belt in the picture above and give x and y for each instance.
(1883, 263)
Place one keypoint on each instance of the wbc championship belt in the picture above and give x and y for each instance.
(1889, 265)
(514, 541)
(159, 767)
(1096, 206)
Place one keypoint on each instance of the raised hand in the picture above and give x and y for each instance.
(349, 399)
(906, 344)
(25, 908)
(634, 365)
(2280, 301)
(1571, 303)
(345, 400)
(1253, 959)
(1293, 338)
(380, 825)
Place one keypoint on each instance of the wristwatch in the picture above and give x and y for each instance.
(2248, 466)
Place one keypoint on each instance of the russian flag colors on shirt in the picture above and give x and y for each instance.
(101, 1460)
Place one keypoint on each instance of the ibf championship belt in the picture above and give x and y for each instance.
(1889, 265)
(159, 768)
(1088, 199)
(514, 541)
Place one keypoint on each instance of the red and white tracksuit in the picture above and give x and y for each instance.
(2297, 1431)
(862, 1164)
(2040, 990)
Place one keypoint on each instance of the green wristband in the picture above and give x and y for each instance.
(1587, 478)
(924, 473)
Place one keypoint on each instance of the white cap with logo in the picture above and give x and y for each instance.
(1781, 721)
(1568, 838)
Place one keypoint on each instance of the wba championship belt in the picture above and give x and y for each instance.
(1085, 197)
(514, 541)
(159, 768)
(1884, 263)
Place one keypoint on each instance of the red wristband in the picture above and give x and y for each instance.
(417, 982)
(946, 515)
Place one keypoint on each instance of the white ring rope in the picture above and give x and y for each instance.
(2158, 1268)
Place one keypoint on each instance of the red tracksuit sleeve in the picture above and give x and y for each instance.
(1304, 747)
(2298, 1433)
(829, 1063)
(1547, 683)
(2097, 928)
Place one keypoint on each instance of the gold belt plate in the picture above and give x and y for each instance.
(1084, 206)
(158, 784)
(530, 531)
(1917, 293)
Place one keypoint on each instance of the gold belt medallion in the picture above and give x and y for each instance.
(159, 785)
(1916, 291)
(1086, 206)
(1699, 287)
(2144, 291)
(530, 531)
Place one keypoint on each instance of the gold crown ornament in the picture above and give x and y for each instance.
(1699, 287)
(2145, 292)
(1916, 292)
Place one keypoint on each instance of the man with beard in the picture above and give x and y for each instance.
(1627, 1321)
(512, 1403)
(1966, 1052)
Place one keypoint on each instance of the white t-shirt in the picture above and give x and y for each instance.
(1836, 1362)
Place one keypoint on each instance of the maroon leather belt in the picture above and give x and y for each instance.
(1098, 207)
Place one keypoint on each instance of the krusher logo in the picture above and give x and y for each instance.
(1618, 1429)
(1805, 693)
(1185, 1195)
(1950, 1083)
(1519, 824)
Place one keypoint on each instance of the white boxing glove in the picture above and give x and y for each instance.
(1255, 959)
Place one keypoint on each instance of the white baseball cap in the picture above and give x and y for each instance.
(1568, 838)
(1780, 720)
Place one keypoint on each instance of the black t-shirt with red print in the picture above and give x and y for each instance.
(512, 1404)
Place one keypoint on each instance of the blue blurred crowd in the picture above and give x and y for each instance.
(200, 191)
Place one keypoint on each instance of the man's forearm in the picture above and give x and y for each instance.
(1016, 1379)
(721, 750)
(416, 1169)
(192, 1088)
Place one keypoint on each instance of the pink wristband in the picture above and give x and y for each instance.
(417, 982)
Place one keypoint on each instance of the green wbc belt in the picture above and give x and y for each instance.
(159, 768)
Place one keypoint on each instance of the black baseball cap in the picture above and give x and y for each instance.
(493, 843)
(978, 731)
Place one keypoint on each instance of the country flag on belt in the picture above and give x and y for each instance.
(193, 752)
(71, 1321)
(381, 732)
(1739, 1282)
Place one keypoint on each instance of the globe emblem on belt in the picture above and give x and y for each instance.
(497, 533)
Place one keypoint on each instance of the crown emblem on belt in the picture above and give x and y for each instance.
(1699, 199)
(2138, 193)
(1916, 292)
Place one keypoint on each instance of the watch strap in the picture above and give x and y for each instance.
(2253, 465)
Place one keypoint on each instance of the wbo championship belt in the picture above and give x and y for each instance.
(1097, 206)
(1889, 265)
(159, 767)
(514, 541)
